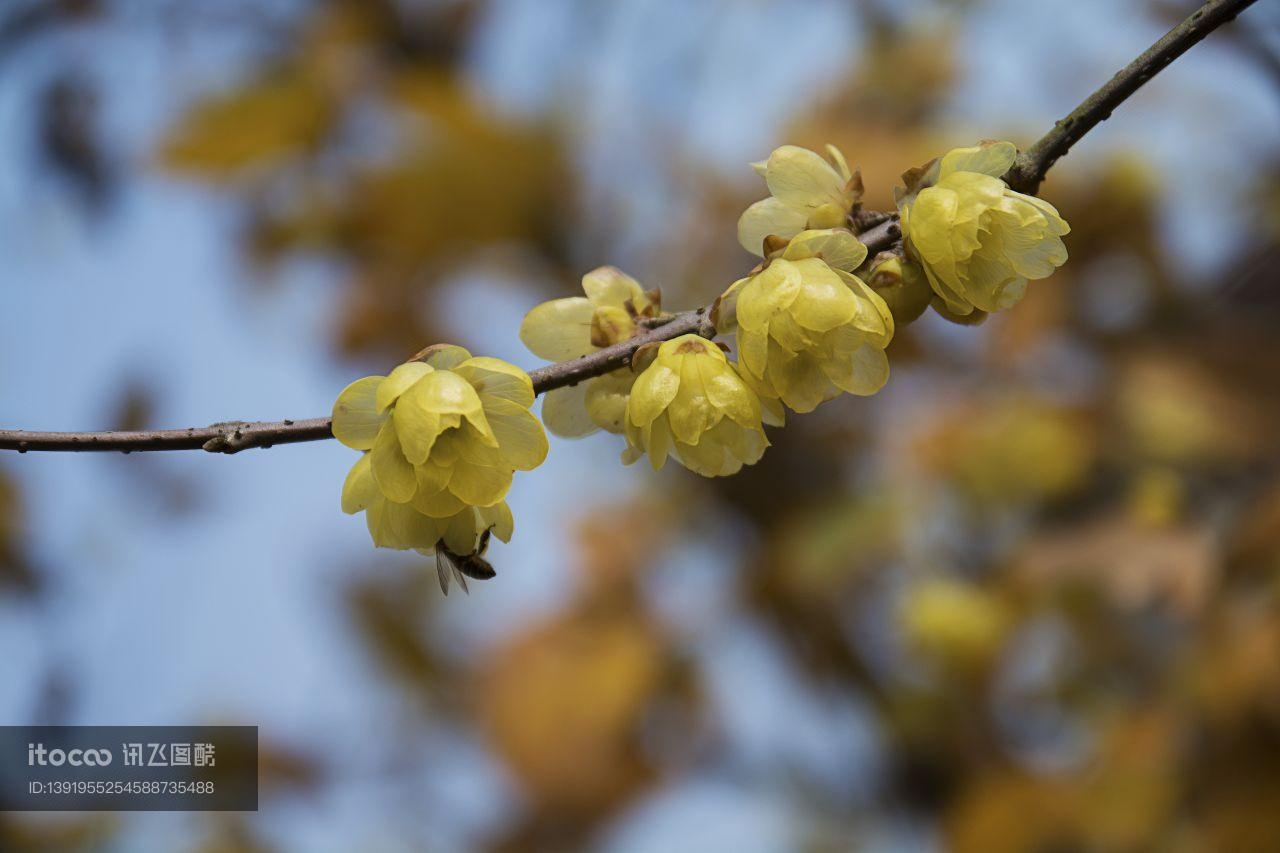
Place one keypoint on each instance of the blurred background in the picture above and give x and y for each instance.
(1025, 598)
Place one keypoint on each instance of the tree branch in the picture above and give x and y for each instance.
(1034, 163)
(1027, 173)
(234, 436)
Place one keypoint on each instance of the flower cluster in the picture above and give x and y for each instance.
(442, 437)
(978, 241)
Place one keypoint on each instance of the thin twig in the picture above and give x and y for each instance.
(1026, 175)
(1034, 163)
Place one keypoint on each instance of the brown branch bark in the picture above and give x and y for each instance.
(1027, 173)
(1034, 163)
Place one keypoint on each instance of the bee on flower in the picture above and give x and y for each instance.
(807, 328)
(806, 192)
(567, 328)
(691, 403)
(978, 241)
(443, 436)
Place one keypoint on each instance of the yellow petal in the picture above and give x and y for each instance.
(359, 490)
(802, 178)
(824, 300)
(462, 532)
(560, 329)
(653, 391)
(400, 380)
(434, 404)
(753, 352)
(391, 470)
(564, 411)
(356, 419)
(837, 246)
(432, 477)
(730, 396)
(992, 159)
(802, 383)
(499, 518)
(611, 287)
(495, 377)
(479, 485)
(399, 526)
(521, 439)
(446, 356)
(768, 293)
(691, 412)
(658, 443)
(863, 371)
(765, 217)
(440, 504)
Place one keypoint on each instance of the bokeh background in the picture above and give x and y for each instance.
(1026, 598)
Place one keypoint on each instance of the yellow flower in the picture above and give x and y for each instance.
(805, 192)
(690, 403)
(806, 327)
(567, 328)
(978, 240)
(444, 435)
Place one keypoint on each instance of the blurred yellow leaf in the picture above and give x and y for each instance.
(1012, 449)
(562, 703)
(281, 115)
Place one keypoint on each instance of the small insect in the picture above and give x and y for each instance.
(463, 566)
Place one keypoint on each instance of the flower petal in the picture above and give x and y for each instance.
(495, 377)
(802, 178)
(653, 391)
(521, 440)
(356, 419)
(610, 286)
(988, 158)
(564, 411)
(765, 217)
(359, 490)
(391, 470)
(838, 247)
(400, 380)
(560, 329)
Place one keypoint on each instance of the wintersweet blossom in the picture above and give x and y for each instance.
(978, 241)
(806, 192)
(444, 435)
(806, 327)
(690, 403)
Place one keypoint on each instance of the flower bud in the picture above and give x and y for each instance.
(902, 285)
